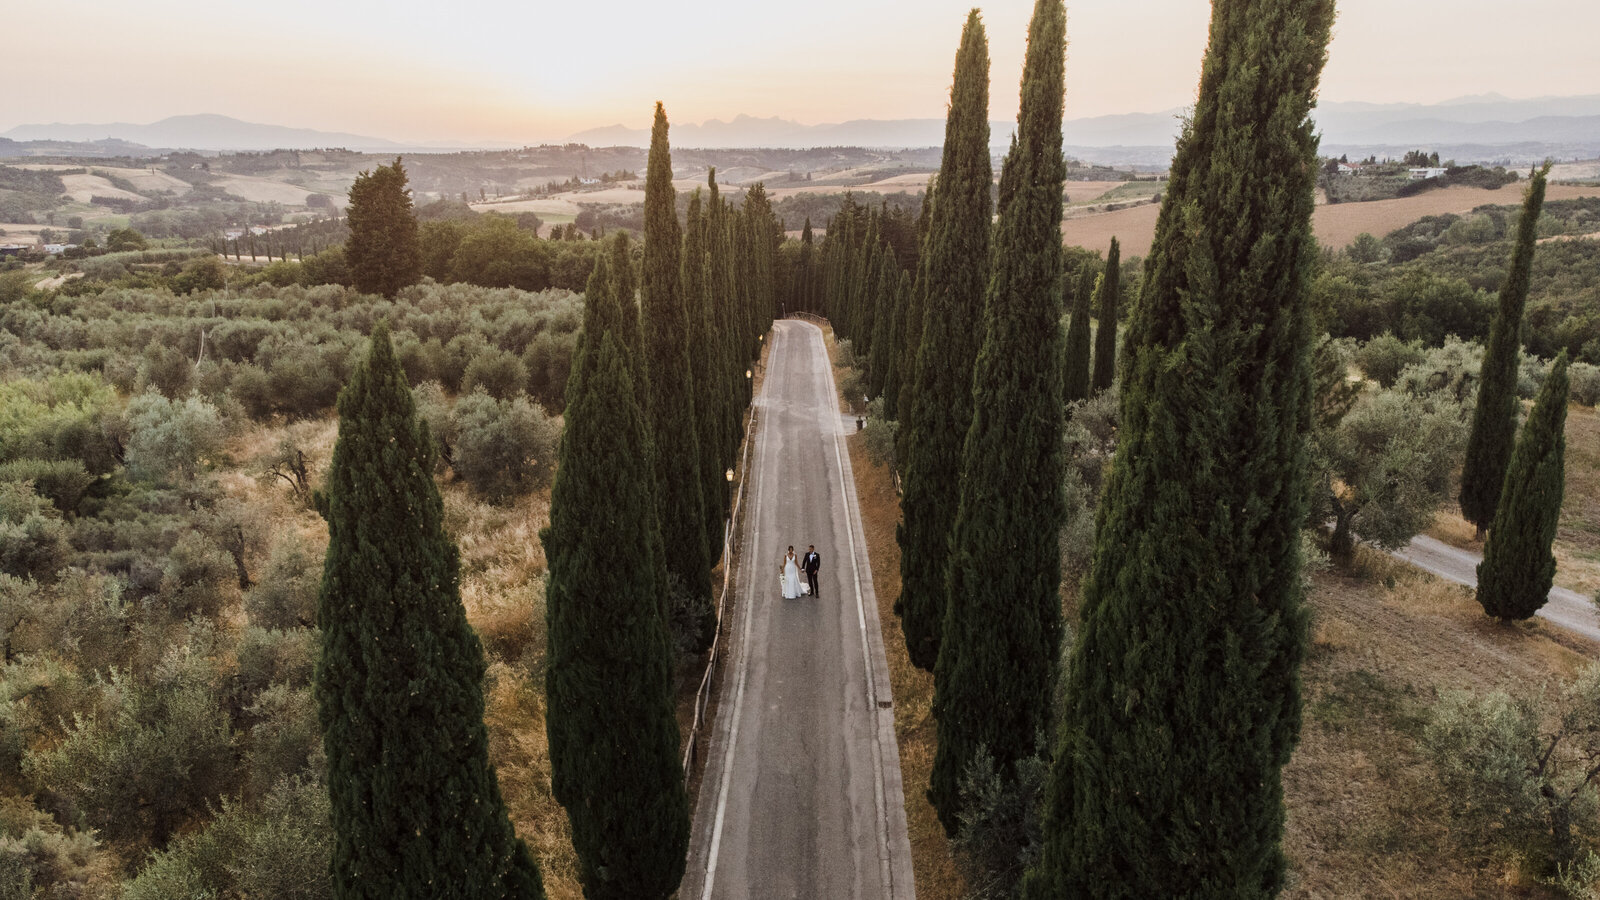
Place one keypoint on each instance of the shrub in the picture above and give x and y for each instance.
(1585, 383)
(159, 756)
(503, 447)
(1000, 835)
(271, 656)
(199, 577)
(166, 369)
(497, 372)
(1383, 358)
(62, 482)
(1509, 778)
(548, 361)
(169, 439)
(286, 595)
(285, 741)
(33, 539)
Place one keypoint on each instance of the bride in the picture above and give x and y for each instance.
(791, 576)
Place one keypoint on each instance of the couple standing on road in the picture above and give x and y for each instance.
(789, 572)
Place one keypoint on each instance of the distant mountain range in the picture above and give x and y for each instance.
(1469, 128)
(202, 132)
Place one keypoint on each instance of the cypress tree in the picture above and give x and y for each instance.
(897, 334)
(705, 364)
(1183, 688)
(1076, 382)
(723, 282)
(1002, 626)
(884, 300)
(806, 290)
(415, 803)
(384, 252)
(911, 333)
(1105, 339)
(611, 723)
(1517, 569)
(673, 423)
(954, 261)
(1494, 419)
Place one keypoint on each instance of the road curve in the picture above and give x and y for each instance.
(802, 795)
(1569, 609)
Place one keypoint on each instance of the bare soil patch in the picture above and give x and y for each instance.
(1365, 815)
(1336, 225)
(265, 190)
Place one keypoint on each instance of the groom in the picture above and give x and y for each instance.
(812, 564)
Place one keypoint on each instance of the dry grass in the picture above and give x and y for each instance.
(1577, 546)
(1365, 816)
(933, 867)
(1336, 225)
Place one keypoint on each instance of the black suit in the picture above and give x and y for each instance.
(811, 564)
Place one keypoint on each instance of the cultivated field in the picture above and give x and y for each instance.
(1336, 225)
(82, 187)
(264, 190)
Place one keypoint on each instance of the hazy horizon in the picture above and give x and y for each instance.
(501, 73)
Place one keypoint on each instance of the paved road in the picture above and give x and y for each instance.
(1569, 609)
(802, 794)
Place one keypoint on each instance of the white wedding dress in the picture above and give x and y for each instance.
(791, 580)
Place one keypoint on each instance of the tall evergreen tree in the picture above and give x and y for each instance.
(1002, 625)
(723, 282)
(954, 263)
(910, 338)
(806, 292)
(611, 722)
(1076, 382)
(415, 802)
(1183, 689)
(1517, 569)
(1105, 338)
(706, 365)
(384, 252)
(1494, 419)
(894, 358)
(667, 331)
(885, 297)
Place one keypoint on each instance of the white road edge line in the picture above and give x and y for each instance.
(744, 643)
(885, 872)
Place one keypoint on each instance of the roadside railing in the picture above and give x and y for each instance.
(702, 697)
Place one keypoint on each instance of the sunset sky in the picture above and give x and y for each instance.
(542, 70)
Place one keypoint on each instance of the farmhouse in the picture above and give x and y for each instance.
(1424, 173)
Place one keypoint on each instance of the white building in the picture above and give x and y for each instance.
(1430, 172)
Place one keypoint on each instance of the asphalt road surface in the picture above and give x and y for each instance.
(802, 794)
(1569, 609)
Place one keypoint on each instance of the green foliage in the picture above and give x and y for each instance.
(1494, 418)
(499, 254)
(151, 761)
(1382, 471)
(953, 276)
(171, 440)
(1108, 295)
(503, 448)
(1383, 358)
(999, 837)
(61, 481)
(383, 251)
(671, 408)
(278, 849)
(1182, 694)
(1076, 378)
(33, 540)
(1002, 625)
(1517, 569)
(401, 672)
(1519, 772)
(496, 372)
(613, 733)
